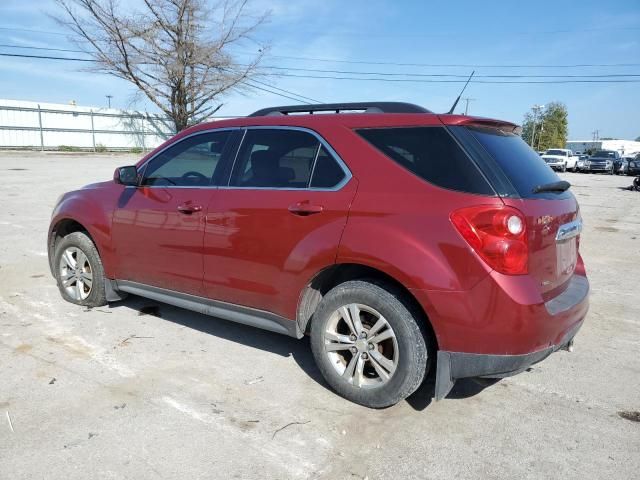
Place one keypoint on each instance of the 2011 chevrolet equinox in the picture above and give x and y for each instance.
(394, 236)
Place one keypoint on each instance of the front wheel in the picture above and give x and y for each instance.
(79, 271)
(368, 345)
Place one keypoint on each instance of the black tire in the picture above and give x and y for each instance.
(80, 240)
(411, 336)
(564, 168)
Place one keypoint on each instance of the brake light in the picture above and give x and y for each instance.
(498, 234)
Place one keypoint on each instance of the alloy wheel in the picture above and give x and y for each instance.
(76, 274)
(361, 346)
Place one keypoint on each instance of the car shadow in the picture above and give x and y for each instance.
(299, 350)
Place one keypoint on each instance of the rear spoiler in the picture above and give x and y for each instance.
(464, 120)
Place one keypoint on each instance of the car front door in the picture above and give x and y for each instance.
(158, 227)
(278, 221)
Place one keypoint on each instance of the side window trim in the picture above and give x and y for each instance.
(143, 168)
(313, 167)
(323, 143)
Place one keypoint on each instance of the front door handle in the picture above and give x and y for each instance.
(189, 208)
(305, 208)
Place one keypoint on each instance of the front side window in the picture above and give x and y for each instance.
(281, 158)
(190, 162)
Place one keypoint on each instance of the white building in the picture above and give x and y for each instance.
(624, 147)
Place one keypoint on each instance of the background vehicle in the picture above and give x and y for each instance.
(561, 159)
(580, 165)
(633, 166)
(602, 161)
(391, 237)
(624, 165)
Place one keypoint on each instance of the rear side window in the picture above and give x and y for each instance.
(431, 154)
(523, 167)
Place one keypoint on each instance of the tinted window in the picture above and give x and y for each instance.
(523, 167)
(189, 162)
(280, 158)
(561, 153)
(327, 173)
(430, 153)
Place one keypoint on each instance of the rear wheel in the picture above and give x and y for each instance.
(368, 345)
(79, 272)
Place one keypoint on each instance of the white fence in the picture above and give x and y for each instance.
(47, 126)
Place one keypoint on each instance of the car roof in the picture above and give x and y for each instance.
(355, 120)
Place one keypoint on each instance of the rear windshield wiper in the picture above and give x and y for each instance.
(561, 186)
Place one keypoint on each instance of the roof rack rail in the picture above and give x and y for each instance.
(362, 107)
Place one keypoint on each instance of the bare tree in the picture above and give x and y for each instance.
(177, 52)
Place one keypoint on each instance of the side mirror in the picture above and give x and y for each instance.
(126, 176)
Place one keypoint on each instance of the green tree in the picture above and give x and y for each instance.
(546, 128)
(638, 139)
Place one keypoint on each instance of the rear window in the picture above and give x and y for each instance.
(522, 166)
(432, 154)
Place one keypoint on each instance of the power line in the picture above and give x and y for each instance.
(414, 80)
(465, 65)
(286, 91)
(275, 93)
(396, 74)
(33, 30)
(42, 57)
(396, 80)
(8, 45)
(46, 57)
(386, 74)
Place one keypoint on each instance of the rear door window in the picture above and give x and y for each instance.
(432, 154)
(284, 158)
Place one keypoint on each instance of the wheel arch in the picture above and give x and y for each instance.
(61, 229)
(332, 276)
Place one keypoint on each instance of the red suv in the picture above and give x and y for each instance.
(400, 240)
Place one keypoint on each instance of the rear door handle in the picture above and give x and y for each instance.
(189, 208)
(305, 208)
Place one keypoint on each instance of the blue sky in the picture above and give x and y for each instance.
(427, 32)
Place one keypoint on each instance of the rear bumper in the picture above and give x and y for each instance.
(501, 326)
(453, 366)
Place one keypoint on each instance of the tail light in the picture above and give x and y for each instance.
(498, 234)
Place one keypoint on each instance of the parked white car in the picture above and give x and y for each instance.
(561, 159)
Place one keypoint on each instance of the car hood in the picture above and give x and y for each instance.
(98, 185)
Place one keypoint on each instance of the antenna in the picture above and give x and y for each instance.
(455, 104)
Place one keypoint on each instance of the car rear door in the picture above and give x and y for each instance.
(158, 227)
(278, 221)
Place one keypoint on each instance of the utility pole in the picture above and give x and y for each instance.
(540, 134)
(109, 97)
(536, 109)
(466, 106)
(596, 135)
